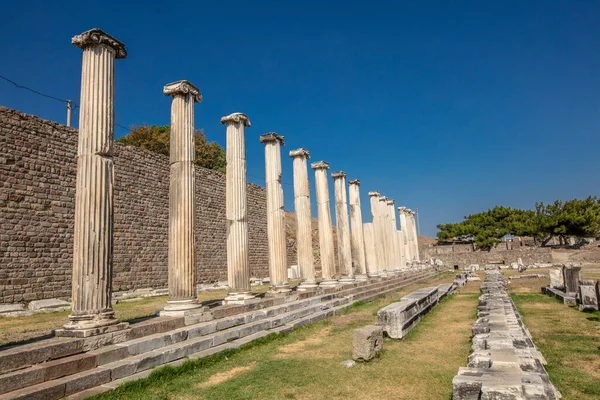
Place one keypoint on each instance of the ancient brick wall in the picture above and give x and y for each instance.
(37, 183)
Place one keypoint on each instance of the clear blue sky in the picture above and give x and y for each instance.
(451, 106)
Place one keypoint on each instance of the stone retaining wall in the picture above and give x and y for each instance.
(464, 254)
(37, 191)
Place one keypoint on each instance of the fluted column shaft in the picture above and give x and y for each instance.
(325, 225)
(94, 217)
(377, 231)
(395, 251)
(182, 199)
(385, 234)
(275, 213)
(370, 252)
(406, 234)
(238, 262)
(303, 219)
(342, 227)
(415, 237)
(357, 237)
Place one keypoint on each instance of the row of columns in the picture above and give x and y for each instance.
(364, 249)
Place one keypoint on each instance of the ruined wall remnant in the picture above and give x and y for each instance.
(37, 193)
(464, 254)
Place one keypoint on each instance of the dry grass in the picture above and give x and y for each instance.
(305, 364)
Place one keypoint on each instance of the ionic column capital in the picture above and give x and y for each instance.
(338, 175)
(383, 198)
(374, 194)
(391, 202)
(301, 152)
(236, 118)
(95, 37)
(271, 137)
(320, 165)
(354, 182)
(182, 88)
(402, 210)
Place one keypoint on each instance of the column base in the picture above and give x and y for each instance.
(240, 298)
(182, 308)
(279, 289)
(82, 326)
(362, 278)
(307, 285)
(347, 280)
(328, 283)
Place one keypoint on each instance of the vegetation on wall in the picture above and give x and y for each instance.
(578, 218)
(157, 139)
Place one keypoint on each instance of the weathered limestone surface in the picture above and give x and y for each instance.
(370, 252)
(49, 305)
(377, 232)
(395, 250)
(238, 268)
(406, 234)
(567, 298)
(367, 342)
(397, 319)
(342, 228)
(304, 219)
(325, 225)
(182, 199)
(415, 241)
(275, 213)
(505, 363)
(94, 212)
(587, 295)
(385, 235)
(359, 262)
(556, 279)
(571, 277)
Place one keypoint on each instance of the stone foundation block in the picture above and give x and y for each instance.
(367, 342)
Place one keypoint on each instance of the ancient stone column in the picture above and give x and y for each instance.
(357, 235)
(303, 220)
(385, 235)
(370, 253)
(405, 233)
(325, 226)
(415, 237)
(401, 263)
(411, 234)
(182, 200)
(342, 228)
(377, 232)
(238, 262)
(275, 213)
(92, 311)
(395, 251)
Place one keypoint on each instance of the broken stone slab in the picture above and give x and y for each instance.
(49, 305)
(348, 363)
(587, 295)
(397, 319)
(571, 277)
(556, 279)
(567, 298)
(13, 310)
(367, 342)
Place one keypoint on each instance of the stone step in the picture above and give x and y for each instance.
(155, 344)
